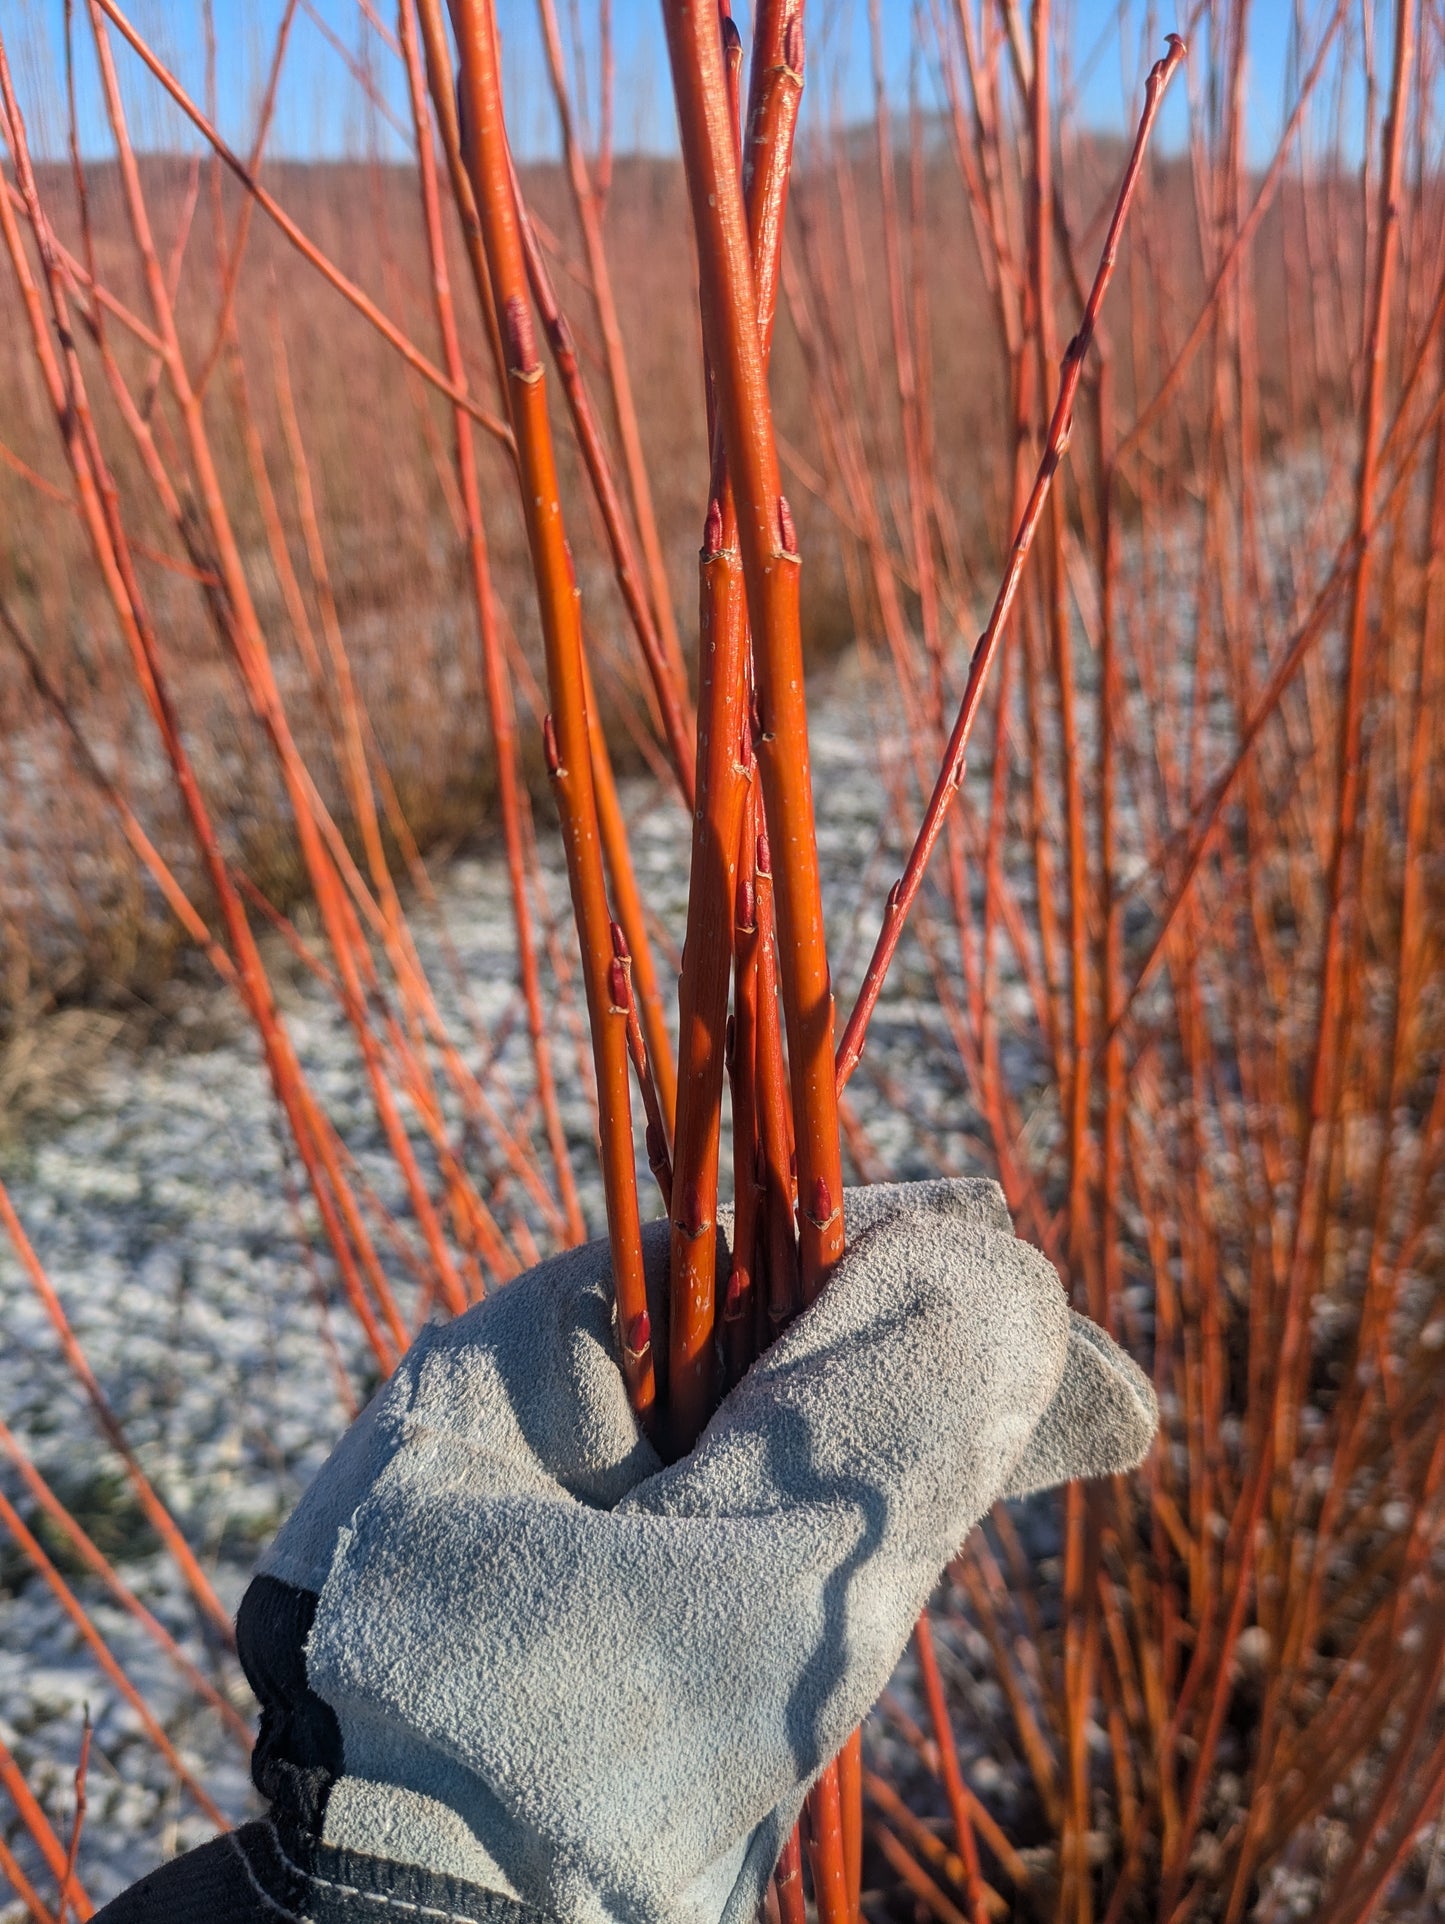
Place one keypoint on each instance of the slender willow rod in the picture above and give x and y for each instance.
(770, 564)
(739, 1313)
(634, 461)
(569, 759)
(669, 690)
(99, 504)
(671, 695)
(238, 623)
(724, 756)
(494, 675)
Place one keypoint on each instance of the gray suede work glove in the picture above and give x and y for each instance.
(546, 1670)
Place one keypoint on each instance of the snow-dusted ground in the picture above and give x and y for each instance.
(163, 1202)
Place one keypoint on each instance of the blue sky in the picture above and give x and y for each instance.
(322, 112)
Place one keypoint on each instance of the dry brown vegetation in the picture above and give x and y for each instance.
(78, 921)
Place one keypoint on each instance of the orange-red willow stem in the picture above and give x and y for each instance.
(771, 566)
(724, 763)
(568, 748)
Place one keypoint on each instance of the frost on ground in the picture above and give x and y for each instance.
(169, 1212)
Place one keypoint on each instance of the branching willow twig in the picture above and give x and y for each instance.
(905, 890)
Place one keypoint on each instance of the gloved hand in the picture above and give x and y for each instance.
(507, 1658)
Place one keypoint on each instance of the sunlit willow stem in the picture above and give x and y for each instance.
(42, 1832)
(627, 902)
(494, 675)
(770, 563)
(599, 274)
(904, 892)
(568, 749)
(1080, 1591)
(240, 625)
(778, 1245)
(75, 1612)
(740, 1326)
(671, 698)
(236, 251)
(670, 692)
(1287, 1386)
(735, 336)
(86, 1552)
(668, 688)
(724, 762)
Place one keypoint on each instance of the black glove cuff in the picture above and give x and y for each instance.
(265, 1874)
(298, 1754)
(277, 1869)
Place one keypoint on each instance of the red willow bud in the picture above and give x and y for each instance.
(549, 747)
(638, 1339)
(746, 912)
(521, 341)
(764, 855)
(822, 1210)
(619, 942)
(618, 987)
(794, 55)
(787, 533)
(691, 1222)
(712, 529)
(733, 1300)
